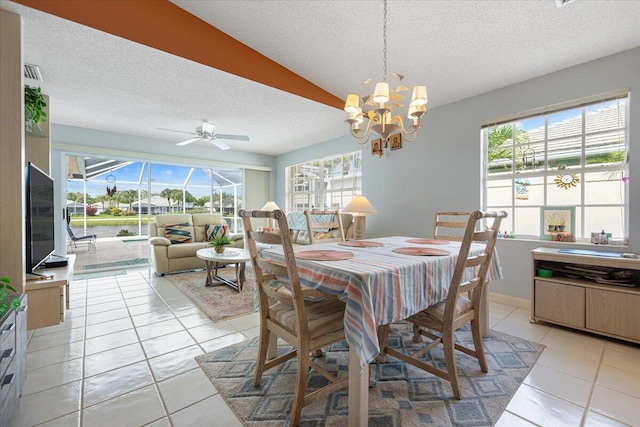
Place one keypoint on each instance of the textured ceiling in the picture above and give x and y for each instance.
(458, 48)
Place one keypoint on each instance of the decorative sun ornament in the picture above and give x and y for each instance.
(567, 181)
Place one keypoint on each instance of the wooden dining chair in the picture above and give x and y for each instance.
(318, 226)
(450, 225)
(304, 317)
(456, 310)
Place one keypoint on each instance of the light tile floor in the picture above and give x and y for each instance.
(125, 357)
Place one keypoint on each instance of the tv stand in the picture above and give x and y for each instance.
(48, 295)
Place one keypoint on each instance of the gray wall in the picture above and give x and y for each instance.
(442, 169)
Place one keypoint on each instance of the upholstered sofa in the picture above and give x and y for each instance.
(168, 256)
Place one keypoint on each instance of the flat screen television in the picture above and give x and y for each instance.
(40, 218)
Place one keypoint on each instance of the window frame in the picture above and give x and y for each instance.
(548, 174)
(312, 188)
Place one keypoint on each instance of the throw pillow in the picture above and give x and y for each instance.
(214, 230)
(178, 233)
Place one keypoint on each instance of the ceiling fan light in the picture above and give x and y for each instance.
(419, 96)
(352, 105)
(381, 93)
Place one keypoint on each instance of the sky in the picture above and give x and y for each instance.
(163, 176)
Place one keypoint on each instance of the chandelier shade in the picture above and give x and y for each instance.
(383, 109)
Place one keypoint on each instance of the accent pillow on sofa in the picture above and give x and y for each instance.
(214, 230)
(178, 233)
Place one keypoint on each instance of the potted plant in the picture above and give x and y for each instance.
(34, 104)
(219, 242)
(14, 303)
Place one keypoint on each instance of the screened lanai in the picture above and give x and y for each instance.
(117, 199)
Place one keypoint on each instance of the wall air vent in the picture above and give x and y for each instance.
(32, 72)
(561, 3)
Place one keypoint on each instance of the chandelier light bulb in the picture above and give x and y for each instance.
(381, 93)
(419, 96)
(352, 105)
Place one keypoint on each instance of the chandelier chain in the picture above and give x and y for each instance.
(384, 43)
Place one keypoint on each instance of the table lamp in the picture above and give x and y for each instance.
(359, 206)
(270, 206)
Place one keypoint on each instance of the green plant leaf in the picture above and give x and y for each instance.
(15, 303)
(3, 294)
(3, 308)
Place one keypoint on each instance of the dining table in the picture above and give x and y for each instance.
(381, 282)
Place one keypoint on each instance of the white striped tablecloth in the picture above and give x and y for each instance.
(380, 286)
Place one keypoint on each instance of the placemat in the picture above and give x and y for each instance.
(422, 251)
(361, 244)
(428, 241)
(324, 255)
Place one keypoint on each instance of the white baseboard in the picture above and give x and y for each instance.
(509, 300)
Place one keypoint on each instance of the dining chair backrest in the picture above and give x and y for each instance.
(479, 262)
(320, 223)
(450, 225)
(276, 280)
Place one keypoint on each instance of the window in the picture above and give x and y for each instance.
(325, 184)
(574, 157)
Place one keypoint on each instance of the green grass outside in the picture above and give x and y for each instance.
(109, 220)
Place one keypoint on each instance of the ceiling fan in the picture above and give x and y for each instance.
(206, 132)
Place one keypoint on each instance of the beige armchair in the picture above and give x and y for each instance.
(168, 256)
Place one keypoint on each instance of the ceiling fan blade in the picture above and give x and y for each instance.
(179, 131)
(220, 145)
(232, 137)
(188, 141)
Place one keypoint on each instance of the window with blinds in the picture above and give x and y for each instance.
(324, 184)
(574, 159)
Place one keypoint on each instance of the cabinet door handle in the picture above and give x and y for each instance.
(23, 308)
(7, 328)
(7, 380)
(7, 353)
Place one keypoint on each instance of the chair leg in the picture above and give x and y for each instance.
(477, 343)
(301, 384)
(416, 333)
(450, 359)
(263, 346)
(383, 339)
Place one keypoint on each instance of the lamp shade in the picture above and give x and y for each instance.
(381, 93)
(419, 96)
(270, 206)
(352, 105)
(359, 205)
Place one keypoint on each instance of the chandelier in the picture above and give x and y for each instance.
(384, 108)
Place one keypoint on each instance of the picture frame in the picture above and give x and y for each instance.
(395, 142)
(558, 223)
(376, 146)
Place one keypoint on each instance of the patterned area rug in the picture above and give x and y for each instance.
(400, 395)
(218, 302)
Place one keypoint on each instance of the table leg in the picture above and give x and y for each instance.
(209, 281)
(358, 391)
(242, 276)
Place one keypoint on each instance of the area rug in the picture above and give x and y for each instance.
(400, 395)
(218, 302)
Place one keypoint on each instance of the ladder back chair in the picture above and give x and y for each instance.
(450, 225)
(317, 225)
(302, 316)
(456, 310)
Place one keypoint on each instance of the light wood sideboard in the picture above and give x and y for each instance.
(48, 298)
(570, 299)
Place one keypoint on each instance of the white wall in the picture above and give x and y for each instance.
(442, 169)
